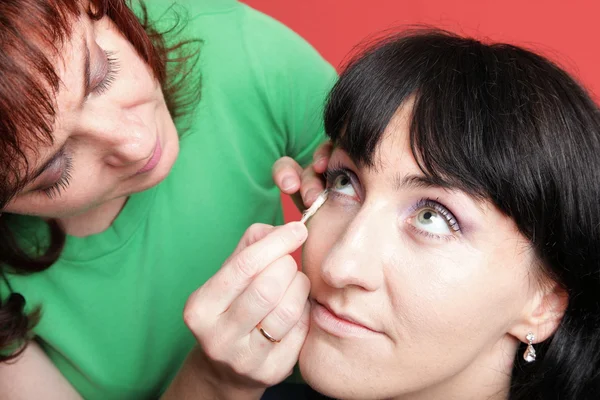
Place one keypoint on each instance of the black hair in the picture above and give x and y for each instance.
(506, 125)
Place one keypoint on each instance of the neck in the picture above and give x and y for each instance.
(487, 377)
(93, 221)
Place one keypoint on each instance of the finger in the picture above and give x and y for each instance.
(321, 157)
(261, 297)
(297, 199)
(286, 174)
(284, 355)
(196, 301)
(235, 276)
(293, 341)
(289, 310)
(312, 186)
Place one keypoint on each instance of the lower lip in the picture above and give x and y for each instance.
(153, 162)
(336, 326)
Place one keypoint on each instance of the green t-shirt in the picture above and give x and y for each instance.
(112, 304)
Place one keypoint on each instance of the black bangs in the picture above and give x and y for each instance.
(495, 121)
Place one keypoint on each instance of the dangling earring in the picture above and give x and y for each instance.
(529, 354)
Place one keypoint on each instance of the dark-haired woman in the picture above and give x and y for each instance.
(458, 253)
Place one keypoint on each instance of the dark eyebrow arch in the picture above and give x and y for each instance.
(412, 181)
(417, 181)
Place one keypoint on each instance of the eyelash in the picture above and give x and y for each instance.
(62, 184)
(55, 190)
(442, 210)
(113, 68)
(334, 171)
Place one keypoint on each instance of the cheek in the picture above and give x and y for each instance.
(459, 295)
(88, 187)
(72, 202)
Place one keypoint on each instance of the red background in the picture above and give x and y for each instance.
(567, 31)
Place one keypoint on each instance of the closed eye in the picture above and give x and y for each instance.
(110, 76)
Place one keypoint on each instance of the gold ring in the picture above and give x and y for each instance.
(266, 335)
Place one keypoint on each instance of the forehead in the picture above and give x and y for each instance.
(70, 62)
(393, 150)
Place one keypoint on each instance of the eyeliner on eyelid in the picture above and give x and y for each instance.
(62, 183)
(337, 169)
(112, 68)
(443, 211)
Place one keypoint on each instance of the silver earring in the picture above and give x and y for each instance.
(529, 354)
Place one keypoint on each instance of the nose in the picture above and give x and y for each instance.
(356, 258)
(123, 138)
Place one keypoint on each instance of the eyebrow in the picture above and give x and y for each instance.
(412, 181)
(419, 181)
(425, 182)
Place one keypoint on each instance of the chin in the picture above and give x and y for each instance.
(329, 372)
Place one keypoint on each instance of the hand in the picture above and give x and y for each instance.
(304, 185)
(258, 284)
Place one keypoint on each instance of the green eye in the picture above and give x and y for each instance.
(433, 219)
(341, 182)
(427, 217)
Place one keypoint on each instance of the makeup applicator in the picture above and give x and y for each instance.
(315, 206)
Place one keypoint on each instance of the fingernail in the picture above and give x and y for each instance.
(310, 196)
(287, 183)
(299, 230)
(322, 163)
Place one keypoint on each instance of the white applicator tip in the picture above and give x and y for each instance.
(319, 201)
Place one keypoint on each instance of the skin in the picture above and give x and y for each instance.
(435, 326)
(415, 299)
(108, 134)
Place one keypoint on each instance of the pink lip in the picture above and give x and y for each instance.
(337, 325)
(154, 159)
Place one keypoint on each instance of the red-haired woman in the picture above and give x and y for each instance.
(121, 193)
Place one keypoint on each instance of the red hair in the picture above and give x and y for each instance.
(28, 84)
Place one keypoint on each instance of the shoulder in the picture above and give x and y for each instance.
(239, 32)
(274, 47)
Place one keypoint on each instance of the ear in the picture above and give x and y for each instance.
(543, 313)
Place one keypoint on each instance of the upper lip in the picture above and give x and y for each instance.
(346, 316)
